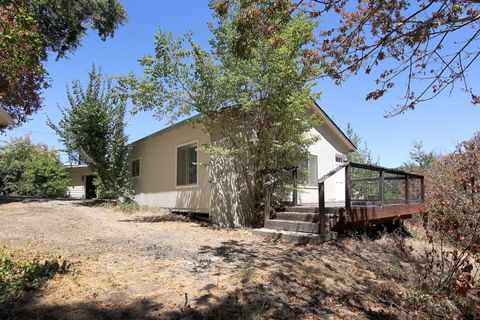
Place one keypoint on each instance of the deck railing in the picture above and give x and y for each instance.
(365, 186)
(369, 185)
(375, 185)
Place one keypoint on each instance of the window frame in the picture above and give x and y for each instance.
(342, 156)
(139, 159)
(191, 185)
(307, 184)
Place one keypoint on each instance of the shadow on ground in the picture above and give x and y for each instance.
(141, 309)
(20, 199)
(275, 280)
(159, 218)
(309, 281)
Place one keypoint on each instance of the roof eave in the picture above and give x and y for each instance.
(329, 122)
(5, 119)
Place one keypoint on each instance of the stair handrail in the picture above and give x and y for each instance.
(321, 194)
(332, 172)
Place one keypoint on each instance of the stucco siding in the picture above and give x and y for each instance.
(156, 186)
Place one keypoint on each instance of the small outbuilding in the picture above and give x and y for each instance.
(81, 184)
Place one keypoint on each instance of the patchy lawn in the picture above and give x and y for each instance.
(154, 265)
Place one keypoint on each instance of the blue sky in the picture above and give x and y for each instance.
(440, 123)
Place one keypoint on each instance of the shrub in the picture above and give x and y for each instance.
(452, 221)
(25, 275)
(44, 176)
(31, 169)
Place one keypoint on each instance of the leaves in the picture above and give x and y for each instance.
(406, 38)
(452, 189)
(32, 169)
(30, 29)
(255, 106)
(93, 128)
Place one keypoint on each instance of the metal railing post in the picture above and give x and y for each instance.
(321, 207)
(348, 186)
(422, 186)
(295, 186)
(381, 186)
(407, 196)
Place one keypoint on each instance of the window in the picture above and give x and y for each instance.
(136, 168)
(339, 158)
(187, 165)
(309, 167)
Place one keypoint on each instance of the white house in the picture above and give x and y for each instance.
(166, 175)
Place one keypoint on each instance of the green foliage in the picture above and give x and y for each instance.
(93, 127)
(256, 110)
(26, 275)
(363, 154)
(44, 175)
(419, 159)
(31, 169)
(30, 29)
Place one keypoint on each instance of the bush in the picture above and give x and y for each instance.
(452, 221)
(32, 169)
(26, 275)
(44, 176)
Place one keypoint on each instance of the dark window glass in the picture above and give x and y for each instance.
(187, 165)
(136, 168)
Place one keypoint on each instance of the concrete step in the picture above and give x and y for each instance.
(297, 226)
(298, 216)
(306, 216)
(312, 209)
(298, 237)
(303, 209)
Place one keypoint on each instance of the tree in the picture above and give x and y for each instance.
(30, 29)
(31, 169)
(429, 44)
(255, 110)
(93, 128)
(363, 154)
(44, 175)
(419, 159)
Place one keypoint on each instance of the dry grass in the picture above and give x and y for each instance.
(152, 265)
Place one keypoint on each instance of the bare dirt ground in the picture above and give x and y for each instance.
(155, 265)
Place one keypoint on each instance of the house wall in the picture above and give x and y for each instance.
(76, 186)
(218, 190)
(229, 204)
(5, 119)
(156, 186)
(326, 148)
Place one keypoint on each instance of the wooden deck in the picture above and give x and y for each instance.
(373, 195)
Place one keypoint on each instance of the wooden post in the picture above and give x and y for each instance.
(295, 186)
(321, 207)
(381, 186)
(348, 186)
(422, 186)
(407, 196)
